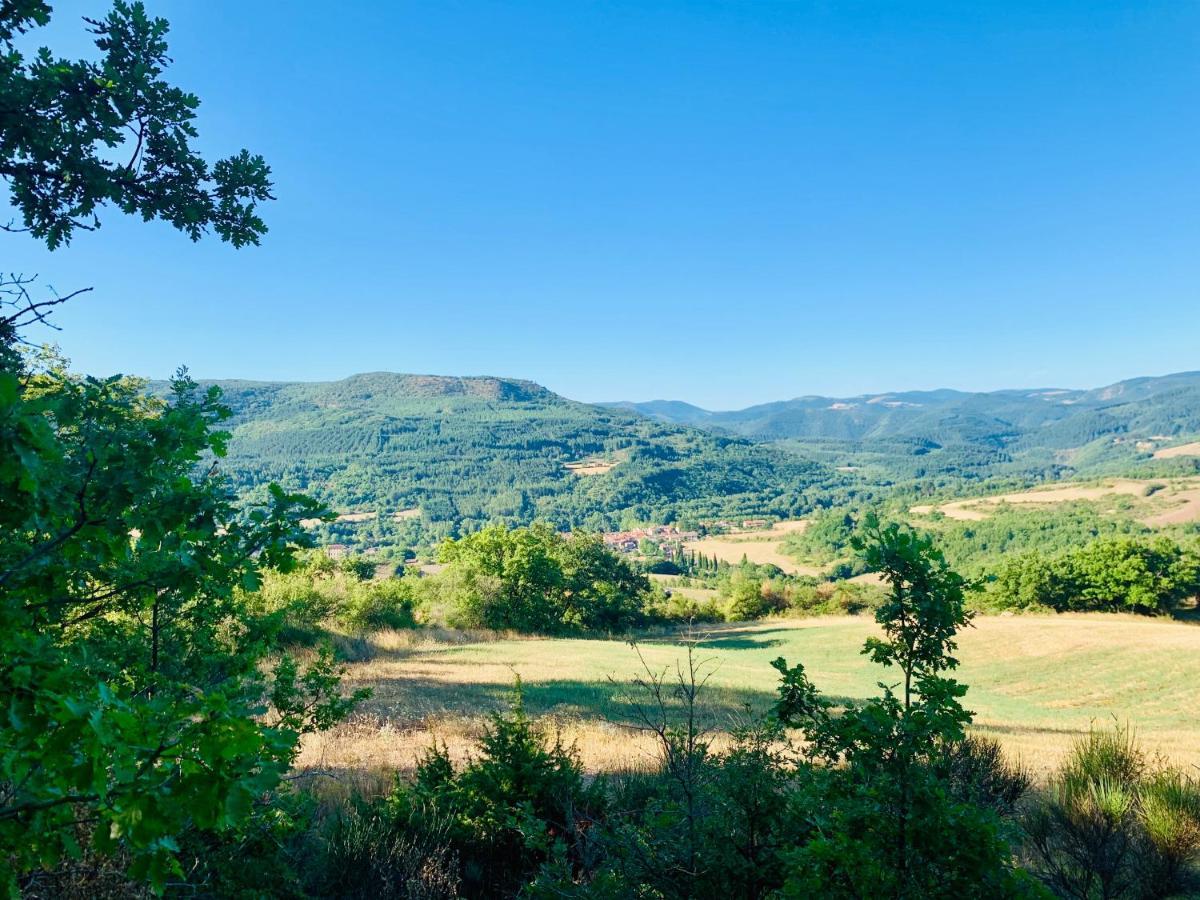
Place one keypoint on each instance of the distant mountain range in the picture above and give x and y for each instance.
(410, 457)
(415, 456)
(1159, 406)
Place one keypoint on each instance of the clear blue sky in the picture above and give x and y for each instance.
(723, 202)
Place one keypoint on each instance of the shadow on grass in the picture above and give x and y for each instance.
(409, 699)
(725, 637)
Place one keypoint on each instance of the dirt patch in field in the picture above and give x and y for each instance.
(1192, 449)
(590, 467)
(401, 515)
(1187, 511)
(357, 517)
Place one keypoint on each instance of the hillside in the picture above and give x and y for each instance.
(408, 457)
(1046, 432)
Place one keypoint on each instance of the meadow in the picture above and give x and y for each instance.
(762, 547)
(1037, 683)
(1154, 502)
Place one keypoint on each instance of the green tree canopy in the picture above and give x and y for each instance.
(78, 134)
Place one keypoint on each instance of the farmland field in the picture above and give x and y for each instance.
(1192, 449)
(1155, 502)
(762, 547)
(1036, 684)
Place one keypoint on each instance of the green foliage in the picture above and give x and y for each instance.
(978, 547)
(136, 696)
(320, 594)
(537, 580)
(750, 598)
(77, 134)
(1069, 557)
(520, 803)
(1113, 826)
(881, 814)
(469, 452)
(826, 538)
(950, 441)
(1146, 575)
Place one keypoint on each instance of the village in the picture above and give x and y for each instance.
(668, 540)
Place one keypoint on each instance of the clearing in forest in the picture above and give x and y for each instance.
(1037, 683)
(590, 466)
(1192, 449)
(1158, 501)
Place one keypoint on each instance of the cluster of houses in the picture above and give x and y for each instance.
(665, 536)
(669, 538)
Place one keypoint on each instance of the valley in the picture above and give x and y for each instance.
(406, 460)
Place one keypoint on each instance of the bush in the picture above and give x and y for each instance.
(372, 854)
(521, 803)
(976, 771)
(673, 606)
(750, 598)
(324, 594)
(1112, 826)
(370, 606)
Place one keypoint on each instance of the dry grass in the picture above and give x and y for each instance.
(762, 547)
(357, 517)
(1158, 502)
(1192, 449)
(1036, 683)
(1187, 510)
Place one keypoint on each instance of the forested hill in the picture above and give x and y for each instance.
(1166, 405)
(417, 456)
(1048, 432)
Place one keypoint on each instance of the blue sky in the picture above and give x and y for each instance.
(723, 202)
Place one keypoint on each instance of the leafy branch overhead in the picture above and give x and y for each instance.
(76, 135)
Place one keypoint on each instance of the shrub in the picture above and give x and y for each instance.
(1112, 826)
(324, 594)
(751, 598)
(521, 803)
(664, 607)
(699, 825)
(372, 854)
(374, 605)
(976, 771)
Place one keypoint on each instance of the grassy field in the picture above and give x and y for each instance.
(763, 547)
(1036, 683)
(1155, 502)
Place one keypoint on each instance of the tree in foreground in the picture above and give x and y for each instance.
(141, 706)
(76, 135)
(137, 702)
(881, 814)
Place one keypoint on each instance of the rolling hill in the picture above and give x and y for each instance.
(1047, 432)
(406, 458)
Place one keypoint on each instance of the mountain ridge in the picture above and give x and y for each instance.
(965, 413)
(424, 457)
